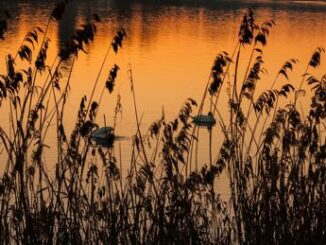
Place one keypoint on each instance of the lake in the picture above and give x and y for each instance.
(170, 46)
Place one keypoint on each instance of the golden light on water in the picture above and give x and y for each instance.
(171, 50)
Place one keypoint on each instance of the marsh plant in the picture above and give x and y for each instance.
(273, 155)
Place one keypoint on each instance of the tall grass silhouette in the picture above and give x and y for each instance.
(274, 156)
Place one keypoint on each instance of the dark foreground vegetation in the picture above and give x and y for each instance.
(274, 156)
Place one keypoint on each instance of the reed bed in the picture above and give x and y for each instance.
(274, 155)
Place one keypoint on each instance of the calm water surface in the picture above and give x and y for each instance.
(170, 47)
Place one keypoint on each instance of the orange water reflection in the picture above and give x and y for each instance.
(170, 48)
